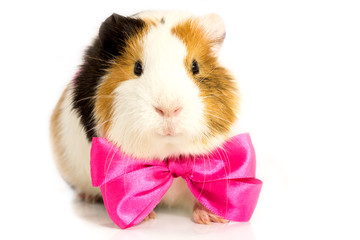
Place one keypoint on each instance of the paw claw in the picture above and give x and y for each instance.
(151, 215)
(202, 215)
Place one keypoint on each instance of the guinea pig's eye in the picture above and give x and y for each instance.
(138, 70)
(195, 67)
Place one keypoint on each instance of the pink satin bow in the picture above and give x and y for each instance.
(223, 181)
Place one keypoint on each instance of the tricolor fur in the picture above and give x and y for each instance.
(167, 110)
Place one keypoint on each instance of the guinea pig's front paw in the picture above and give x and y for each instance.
(202, 215)
(88, 198)
(151, 215)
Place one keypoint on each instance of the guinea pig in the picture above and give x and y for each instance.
(152, 85)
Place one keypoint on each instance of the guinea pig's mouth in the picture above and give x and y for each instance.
(168, 131)
(168, 134)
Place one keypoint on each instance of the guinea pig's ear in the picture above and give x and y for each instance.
(115, 30)
(215, 28)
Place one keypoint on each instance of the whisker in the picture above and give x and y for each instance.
(227, 177)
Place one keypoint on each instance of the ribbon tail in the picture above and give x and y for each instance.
(233, 199)
(128, 199)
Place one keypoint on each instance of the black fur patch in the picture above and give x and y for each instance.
(110, 44)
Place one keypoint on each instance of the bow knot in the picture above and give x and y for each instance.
(223, 181)
(179, 167)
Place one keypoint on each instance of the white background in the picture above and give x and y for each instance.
(298, 65)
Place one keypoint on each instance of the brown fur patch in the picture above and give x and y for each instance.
(121, 70)
(217, 87)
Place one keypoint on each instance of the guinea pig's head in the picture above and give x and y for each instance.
(163, 92)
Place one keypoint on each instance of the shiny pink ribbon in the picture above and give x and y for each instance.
(223, 181)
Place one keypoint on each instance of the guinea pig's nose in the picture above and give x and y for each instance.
(168, 111)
